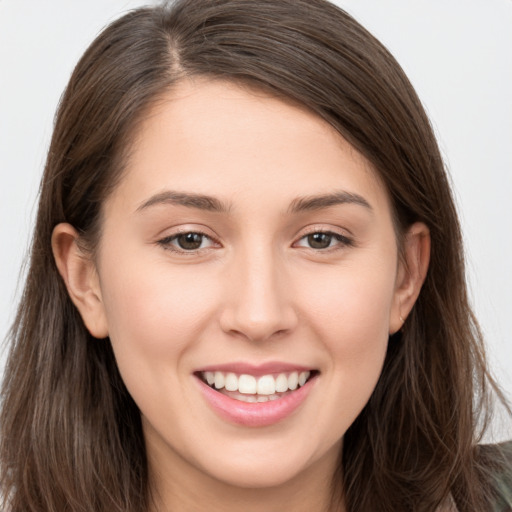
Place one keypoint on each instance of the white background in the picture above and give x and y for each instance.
(457, 53)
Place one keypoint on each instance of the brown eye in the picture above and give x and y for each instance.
(319, 240)
(322, 240)
(189, 241)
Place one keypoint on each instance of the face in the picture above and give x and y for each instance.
(247, 247)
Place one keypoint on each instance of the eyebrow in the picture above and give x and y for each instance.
(309, 203)
(189, 200)
(212, 204)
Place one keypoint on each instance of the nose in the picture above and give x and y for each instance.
(259, 305)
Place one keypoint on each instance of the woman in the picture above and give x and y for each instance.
(246, 286)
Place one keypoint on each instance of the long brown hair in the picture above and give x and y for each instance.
(71, 434)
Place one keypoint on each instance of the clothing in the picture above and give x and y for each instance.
(503, 481)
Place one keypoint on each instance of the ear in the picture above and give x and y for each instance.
(81, 278)
(412, 270)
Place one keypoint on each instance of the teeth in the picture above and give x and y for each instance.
(247, 384)
(219, 380)
(282, 383)
(265, 386)
(303, 377)
(256, 398)
(231, 382)
(293, 380)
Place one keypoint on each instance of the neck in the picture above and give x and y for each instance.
(182, 487)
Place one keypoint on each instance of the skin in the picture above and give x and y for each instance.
(255, 291)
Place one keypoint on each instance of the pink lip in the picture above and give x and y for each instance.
(255, 414)
(257, 370)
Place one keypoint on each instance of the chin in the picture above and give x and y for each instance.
(250, 475)
(271, 467)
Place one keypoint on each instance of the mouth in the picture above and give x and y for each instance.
(256, 396)
(248, 388)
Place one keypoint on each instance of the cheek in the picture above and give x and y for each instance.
(350, 316)
(156, 318)
(153, 310)
(351, 306)
(353, 327)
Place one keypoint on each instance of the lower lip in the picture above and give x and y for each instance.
(256, 414)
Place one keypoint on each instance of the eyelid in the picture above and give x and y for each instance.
(166, 241)
(343, 239)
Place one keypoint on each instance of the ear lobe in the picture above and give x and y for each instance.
(80, 277)
(412, 270)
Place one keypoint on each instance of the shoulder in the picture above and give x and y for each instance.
(502, 478)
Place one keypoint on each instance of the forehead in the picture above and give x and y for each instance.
(232, 141)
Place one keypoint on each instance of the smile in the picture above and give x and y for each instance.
(251, 388)
(255, 399)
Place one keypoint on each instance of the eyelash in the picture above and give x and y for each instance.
(167, 242)
(342, 241)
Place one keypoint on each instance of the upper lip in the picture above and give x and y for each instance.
(240, 367)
